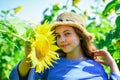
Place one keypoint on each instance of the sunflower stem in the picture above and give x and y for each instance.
(16, 35)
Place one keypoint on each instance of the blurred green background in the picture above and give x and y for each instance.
(103, 21)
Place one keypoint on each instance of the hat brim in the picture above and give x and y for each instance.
(72, 24)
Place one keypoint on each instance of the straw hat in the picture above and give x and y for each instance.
(71, 19)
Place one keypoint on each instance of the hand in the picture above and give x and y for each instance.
(27, 48)
(24, 66)
(107, 58)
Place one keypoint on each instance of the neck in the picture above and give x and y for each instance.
(76, 54)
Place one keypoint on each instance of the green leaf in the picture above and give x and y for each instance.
(110, 5)
(64, 7)
(116, 55)
(45, 11)
(117, 9)
(5, 12)
(117, 21)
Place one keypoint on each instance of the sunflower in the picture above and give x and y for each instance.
(18, 9)
(75, 2)
(43, 48)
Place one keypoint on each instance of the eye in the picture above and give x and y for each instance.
(67, 33)
(57, 36)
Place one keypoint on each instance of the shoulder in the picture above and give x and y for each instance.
(94, 63)
(95, 67)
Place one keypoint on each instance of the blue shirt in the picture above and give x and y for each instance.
(67, 69)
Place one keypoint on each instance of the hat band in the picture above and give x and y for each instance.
(67, 20)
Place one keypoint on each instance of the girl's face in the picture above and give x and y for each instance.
(67, 39)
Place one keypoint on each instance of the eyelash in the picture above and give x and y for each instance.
(57, 36)
(66, 34)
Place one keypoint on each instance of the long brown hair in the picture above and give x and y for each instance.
(86, 44)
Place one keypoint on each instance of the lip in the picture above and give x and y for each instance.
(64, 45)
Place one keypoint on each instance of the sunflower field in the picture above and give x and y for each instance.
(104, 24)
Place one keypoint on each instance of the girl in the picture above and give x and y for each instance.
(77, 55)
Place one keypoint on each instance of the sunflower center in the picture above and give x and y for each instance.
(41, 46)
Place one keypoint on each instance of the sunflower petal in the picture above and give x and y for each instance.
(43, 48)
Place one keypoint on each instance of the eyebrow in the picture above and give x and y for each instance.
(63, 31)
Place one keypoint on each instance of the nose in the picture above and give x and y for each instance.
(62, 38)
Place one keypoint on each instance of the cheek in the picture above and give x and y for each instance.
(57, 41)
(75, 40)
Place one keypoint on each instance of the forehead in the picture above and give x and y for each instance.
(63, 28)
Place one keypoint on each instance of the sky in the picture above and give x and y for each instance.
(33, 9)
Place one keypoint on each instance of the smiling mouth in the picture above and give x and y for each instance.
(64, 46)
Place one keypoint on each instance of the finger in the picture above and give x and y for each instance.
(99, 53)
(101, 61)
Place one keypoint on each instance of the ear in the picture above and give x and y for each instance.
(90, 37)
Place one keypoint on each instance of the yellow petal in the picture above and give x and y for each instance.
(75, 2)
(43, 48)
(18, 9)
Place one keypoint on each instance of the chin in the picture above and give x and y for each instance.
(66, 51)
